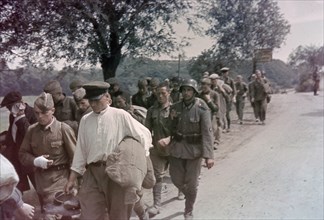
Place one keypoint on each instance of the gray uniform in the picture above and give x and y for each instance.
(241, 89)
(259, 94)
(192, 140)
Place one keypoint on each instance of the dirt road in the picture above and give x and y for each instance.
(265, 172)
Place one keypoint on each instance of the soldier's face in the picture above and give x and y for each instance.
(57, 96)
(205, 87)
(187, 93)
(83, 105)
(163, 95)
(44, 117)
(120, 102)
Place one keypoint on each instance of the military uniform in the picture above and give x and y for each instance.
(58, 141)
(66, 111)
(157, 121)
(241, 89)
(192, 140)
(229, 102)
(259, 95)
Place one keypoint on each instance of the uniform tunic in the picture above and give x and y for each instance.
(192, 140)
(56, 140)
(66, 111)
(259, 94)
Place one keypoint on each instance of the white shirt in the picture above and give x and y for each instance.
(99, 135)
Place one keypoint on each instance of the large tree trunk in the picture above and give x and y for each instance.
(109, 65)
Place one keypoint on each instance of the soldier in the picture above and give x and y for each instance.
(211, 98)
(76, 84)
(253, 77)
(82, 103)
(100, 133)
(192, 140)
(259, 96)
(115, 90)
(229, 102)
(175, 93)
(157, 121)
(140, 98)
(241, 89)
(21, 116)
(154, 82)
(316, 79)
(65, 107)
(138, 113)
(48, 146)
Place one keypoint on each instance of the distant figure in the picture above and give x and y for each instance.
(252, 78)
(175, 94)
(82, 103)
(154, 82)
(316, 79)
(241, 89)
(140, 98)
(115, 90)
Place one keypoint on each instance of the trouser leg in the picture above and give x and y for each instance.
(257, 105)
(263, 109)
(215, 128)
(184, 175)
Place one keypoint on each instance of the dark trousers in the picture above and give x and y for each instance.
(261, 109)
(240, 103)
(228, 116)
(184, 175)
(99, 193)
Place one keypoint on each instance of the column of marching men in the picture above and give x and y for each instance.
(64, 143)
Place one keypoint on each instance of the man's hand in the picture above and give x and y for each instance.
(68, 188)
(42, 162)
(164, 141)
(207, 97)
(26, 211)
(209, 163)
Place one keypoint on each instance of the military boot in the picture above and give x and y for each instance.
(155, 209)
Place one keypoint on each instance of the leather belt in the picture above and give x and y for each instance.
(57, 167)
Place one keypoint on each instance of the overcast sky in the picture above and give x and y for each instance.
(305, 16)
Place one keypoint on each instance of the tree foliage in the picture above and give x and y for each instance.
(307, 56)
(241, 26)
(89, 31)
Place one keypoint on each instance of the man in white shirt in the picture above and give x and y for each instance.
(100, 132)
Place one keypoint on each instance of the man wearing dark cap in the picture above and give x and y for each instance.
(21, 116)
(100, 133)
(229, 81)
(140, 98)
(154, 82)
(48, 146)
(191, 141)
(65, 107)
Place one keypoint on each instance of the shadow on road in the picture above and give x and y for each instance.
(318, 113)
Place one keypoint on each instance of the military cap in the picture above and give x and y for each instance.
(75, 84)
(154, 82)
(224, 69)
(205, 74)
(11, 98)
(239, 76)
(44, 102)
(79, 94)
(214, 76)
(205, 81)
(142, 82)
(191, 83)
(176, 79)
(52, 86)
(95, 89)
(112, 81)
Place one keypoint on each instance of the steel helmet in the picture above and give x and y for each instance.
(191, 83)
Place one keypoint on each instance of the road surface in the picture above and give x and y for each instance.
(265, 172)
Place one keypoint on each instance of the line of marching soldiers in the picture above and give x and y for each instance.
(64, 143)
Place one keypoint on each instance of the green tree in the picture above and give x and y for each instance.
(241, 26)
(89, 31)
(307, 56)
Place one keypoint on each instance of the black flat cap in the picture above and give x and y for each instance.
(95, 89)
(11, 98)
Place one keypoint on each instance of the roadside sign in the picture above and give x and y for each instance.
(263, 55)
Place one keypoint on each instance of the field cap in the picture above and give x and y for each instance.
(112, 81)
(52, 86)
(44, 102)
(75, 84)
(79, 94)
(224, 69)
(11, 98)
(214, 76)
(142, 83)
(154, 82)
(205, 74)
(205, 81)
(95, 90)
